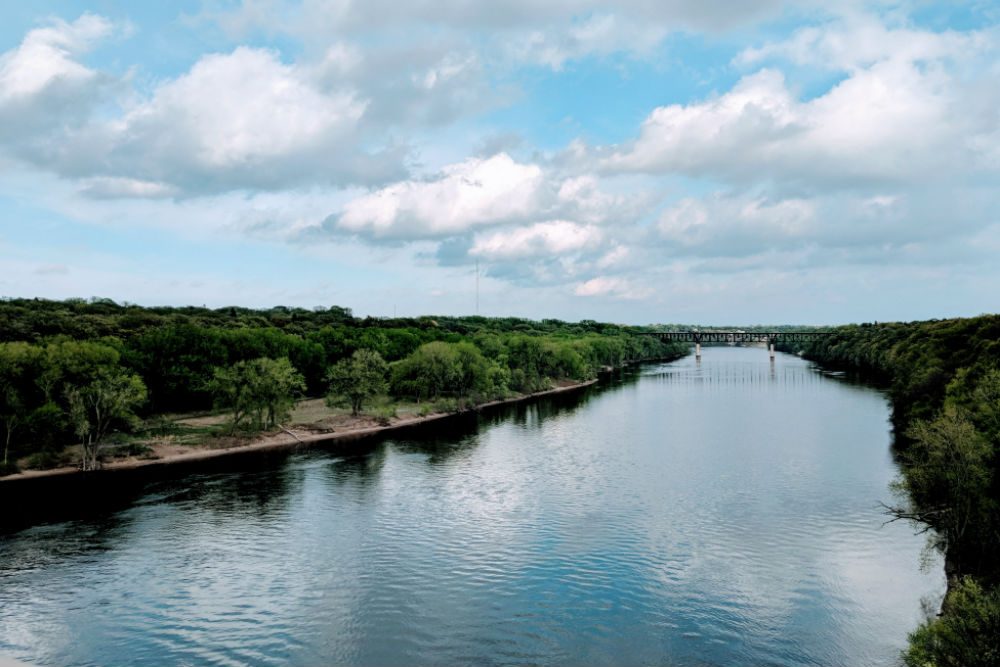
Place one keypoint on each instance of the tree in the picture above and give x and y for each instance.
(259, 390)
(358, 378)
(18, 369)
(968, 635)
(947, 479)
(111, 397)
(432, 370)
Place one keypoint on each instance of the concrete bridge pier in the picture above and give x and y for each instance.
(697, 351)
(771, 349)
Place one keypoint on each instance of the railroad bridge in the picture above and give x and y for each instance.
(770, 338)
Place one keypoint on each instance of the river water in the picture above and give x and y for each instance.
(721, 513)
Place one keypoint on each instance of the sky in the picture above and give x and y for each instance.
(641, 161)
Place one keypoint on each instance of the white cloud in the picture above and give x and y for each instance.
(237, 119)
(45, 57)
(465, 195)
(46, 94)
(325, 17)
(718, 221)
(614, 257)
(557, 237)
(861, 40)
(599, 34)
(615, 287)
(111, 188)
(891, 122)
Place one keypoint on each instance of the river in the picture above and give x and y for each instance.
(721, 513)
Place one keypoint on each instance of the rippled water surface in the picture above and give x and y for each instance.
(716, 514)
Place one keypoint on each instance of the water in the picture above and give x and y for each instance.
(721, 514)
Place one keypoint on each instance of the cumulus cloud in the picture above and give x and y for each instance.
(614, 287)
(237, 120)
(911, 106)
(42, 83)
(242, 119)
(558, 237)
(471, 193)
(597, 35)
(46, 57)
(113, 188)
(861, 40)
(888, 123)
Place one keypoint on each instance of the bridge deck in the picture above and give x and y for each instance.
(738, 336)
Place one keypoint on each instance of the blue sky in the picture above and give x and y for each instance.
(640, 161)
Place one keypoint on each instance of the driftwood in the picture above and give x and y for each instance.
(297, 438)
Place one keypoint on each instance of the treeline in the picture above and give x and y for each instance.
(63, 363)
(944, 383)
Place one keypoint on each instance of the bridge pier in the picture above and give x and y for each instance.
(771, 346)
(697, 351)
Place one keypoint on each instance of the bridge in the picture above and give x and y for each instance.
(770, 338)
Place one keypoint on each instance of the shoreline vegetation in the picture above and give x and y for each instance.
(91, 385)
(943, 378)
(299, 435)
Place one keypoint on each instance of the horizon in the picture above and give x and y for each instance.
(781, 162)
(320, 308)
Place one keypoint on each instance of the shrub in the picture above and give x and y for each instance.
(967, 635)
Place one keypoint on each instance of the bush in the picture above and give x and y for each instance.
(384, 415)
(44, 460)
(445, 405)
(967, 635)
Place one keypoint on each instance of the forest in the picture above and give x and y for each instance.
(79, 371)
(943, 379)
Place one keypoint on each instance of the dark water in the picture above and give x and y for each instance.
(725, 514)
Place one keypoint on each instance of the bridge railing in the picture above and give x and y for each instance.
(738, 336)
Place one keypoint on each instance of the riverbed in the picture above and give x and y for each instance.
(716, 513)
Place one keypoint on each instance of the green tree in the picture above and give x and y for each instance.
(431, 371)
(977, 394)
(259, 392)
(358, 378)
(18, 391)
(110, 398)
(946, 482)
(968, 635)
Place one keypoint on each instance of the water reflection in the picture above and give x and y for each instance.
(715, 514)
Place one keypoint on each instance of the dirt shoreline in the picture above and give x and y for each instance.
(283, 440)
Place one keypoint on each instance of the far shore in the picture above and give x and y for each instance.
(285, 439)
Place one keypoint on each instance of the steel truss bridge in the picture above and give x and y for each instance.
(769, 338)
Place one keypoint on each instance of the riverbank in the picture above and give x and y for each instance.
(300, 435)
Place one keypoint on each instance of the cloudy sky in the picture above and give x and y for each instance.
(646, 161)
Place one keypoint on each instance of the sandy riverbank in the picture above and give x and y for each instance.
(286, 439)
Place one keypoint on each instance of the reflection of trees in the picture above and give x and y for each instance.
(254, 483)
(258, 493)
(77, 535)
(532, 413)
(444, 439)
(360, 469)
(65, 498)
(447, 439)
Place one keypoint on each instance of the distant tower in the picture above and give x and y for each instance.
(477, 286)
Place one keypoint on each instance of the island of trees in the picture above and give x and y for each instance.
(94, 374)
